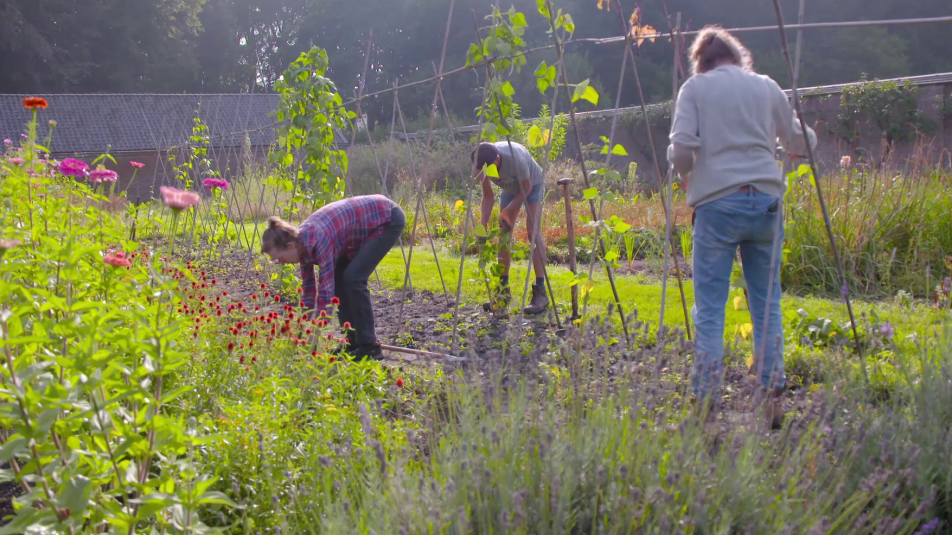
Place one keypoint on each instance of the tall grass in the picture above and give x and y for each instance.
(893, 231)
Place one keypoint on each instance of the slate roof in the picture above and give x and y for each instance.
(140, 121)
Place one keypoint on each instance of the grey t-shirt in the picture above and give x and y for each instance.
(517, 165)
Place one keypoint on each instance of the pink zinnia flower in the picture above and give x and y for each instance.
(215, 183)
(177, 199)
(137, 164)
(17, 161)
(117, 260)
(102, 175)
(8, 244)
(73, 167)
(7, 142)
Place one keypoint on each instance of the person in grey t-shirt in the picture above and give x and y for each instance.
(521, 181)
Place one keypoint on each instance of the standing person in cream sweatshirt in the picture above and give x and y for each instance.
(727, 123)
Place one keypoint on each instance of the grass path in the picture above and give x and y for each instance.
(641, 293)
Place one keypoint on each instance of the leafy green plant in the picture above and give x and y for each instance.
(311, 115)
(891, 107)
(503, 43)
(90, 338)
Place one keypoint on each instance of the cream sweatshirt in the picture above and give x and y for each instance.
(727, 124)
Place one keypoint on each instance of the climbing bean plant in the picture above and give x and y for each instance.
(311, 114)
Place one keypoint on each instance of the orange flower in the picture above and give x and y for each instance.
(399, 382)
(33, 103)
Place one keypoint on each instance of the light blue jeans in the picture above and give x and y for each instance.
(747, 220)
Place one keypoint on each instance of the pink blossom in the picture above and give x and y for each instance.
(7, 142)
(73, 167)
(117, 260)
(17, 161)
(137, 164)
(8, 244)
(215, 183)
(177, 199)
(102, 175)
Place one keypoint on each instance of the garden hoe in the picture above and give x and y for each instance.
(421, 353)
(418, 352)
(565, 184)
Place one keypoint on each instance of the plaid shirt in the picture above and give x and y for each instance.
(335, 230)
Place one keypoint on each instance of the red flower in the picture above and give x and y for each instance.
(266, 294)
(263, 286)
(214, 281)
(323, 314)
(254, 359)
(226, 295)
(335, 301)
(137, 164)
(332, 359)
(231, 347)
(254, 296)
(399, 382)
(33, 103)
(241, 359)
(277, 299)
(300, 290)
(346, 325)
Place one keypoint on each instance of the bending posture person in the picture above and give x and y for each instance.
(521, 180)
(345, 240)
(727, 123)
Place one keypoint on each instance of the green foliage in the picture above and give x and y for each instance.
(892, 108)
(90, 350)
(310, 112)
(890, 229)
(539, 136)
(503, 44)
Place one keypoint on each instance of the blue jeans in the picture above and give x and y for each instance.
(748, 220)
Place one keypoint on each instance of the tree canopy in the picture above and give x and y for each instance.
(244, 45)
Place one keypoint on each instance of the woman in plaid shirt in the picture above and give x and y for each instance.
(345, 240)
